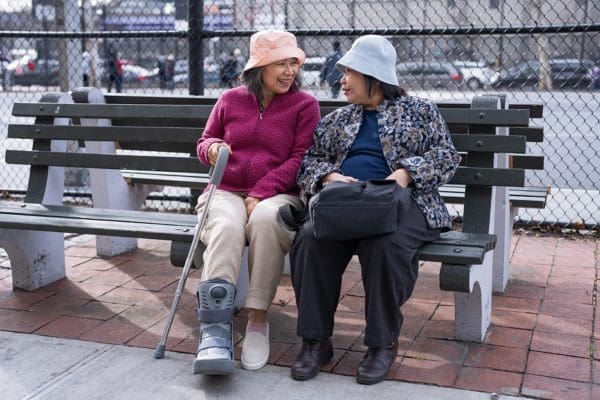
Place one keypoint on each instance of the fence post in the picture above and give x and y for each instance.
(196, 47)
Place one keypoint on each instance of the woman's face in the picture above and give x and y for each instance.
(354, 87)
(278, 77)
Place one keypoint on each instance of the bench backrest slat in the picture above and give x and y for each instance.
(536, 110)
(105, 133)
(106, 161)
(532, 134)
(160, 112)
(527, 161)
(110, 111)
(487, 143)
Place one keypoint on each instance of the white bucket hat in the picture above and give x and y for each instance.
(372, 55)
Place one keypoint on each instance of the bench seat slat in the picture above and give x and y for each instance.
(451, 254)
(528, 201)
(451, 189)
(107, 161)
(197, 181)
(97, 227)
(99, 214)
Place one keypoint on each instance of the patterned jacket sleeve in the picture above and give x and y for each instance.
(439, 159)
(318, 161)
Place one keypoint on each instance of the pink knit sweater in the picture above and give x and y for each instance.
(267, 147)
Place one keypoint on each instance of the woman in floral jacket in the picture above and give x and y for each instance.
(382, 134)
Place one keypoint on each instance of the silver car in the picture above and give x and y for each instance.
(476, 74)
(429, 75)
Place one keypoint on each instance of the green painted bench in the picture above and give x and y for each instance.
(136, 144)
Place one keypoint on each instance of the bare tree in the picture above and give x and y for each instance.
(69, 53)
(91, 45)
(545, 77)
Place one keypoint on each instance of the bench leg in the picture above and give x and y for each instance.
(109, 190)
(36, 258)
(472, 304)
(501, 226)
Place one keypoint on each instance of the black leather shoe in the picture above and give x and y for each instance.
(375, 364)
(314, 354)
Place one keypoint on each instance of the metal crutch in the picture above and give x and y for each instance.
(216, 173)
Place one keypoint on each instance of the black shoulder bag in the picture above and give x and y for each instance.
(343, 211)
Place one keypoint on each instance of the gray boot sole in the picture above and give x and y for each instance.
(213, 367)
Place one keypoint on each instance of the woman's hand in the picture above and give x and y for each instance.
(251, 202)
(401, 176)
(213, 151)
(337, 177)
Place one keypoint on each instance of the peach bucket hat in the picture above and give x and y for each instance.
(272, 45)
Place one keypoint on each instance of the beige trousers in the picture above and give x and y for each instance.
(227, 230)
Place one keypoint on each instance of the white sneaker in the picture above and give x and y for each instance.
(255, 351)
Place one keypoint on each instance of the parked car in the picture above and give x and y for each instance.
(428, 75)
(136, 74)
(565, 73)
(133, 75)
(311, 72)
(29, 72)
(211, 72)
(476, 74)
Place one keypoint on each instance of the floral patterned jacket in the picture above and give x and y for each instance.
(413, 136)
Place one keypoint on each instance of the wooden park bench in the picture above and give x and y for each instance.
(125, 143)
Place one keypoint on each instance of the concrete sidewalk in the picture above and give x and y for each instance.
(38, 367)
(541, 343)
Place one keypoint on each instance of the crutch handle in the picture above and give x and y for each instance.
(219, 168)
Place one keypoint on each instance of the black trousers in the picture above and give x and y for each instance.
(389, 267)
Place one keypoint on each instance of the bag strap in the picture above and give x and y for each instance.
(293, 217)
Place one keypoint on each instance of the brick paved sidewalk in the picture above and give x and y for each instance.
(541, 343)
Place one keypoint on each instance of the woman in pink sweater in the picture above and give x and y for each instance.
(266, 125)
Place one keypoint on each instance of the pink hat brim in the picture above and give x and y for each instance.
(282, 53)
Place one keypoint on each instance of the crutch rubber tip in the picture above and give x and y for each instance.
(159, 352)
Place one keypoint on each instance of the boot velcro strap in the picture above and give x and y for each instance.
(215, 315)
(215, 335)
(214, 342)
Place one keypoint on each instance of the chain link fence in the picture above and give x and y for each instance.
(531, 50)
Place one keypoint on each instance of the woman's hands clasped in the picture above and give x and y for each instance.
(401, 176)
(337, 177)
(251, 202)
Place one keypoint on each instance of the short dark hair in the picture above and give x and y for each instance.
(389, 91)
(252, 79)
(336, 45)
